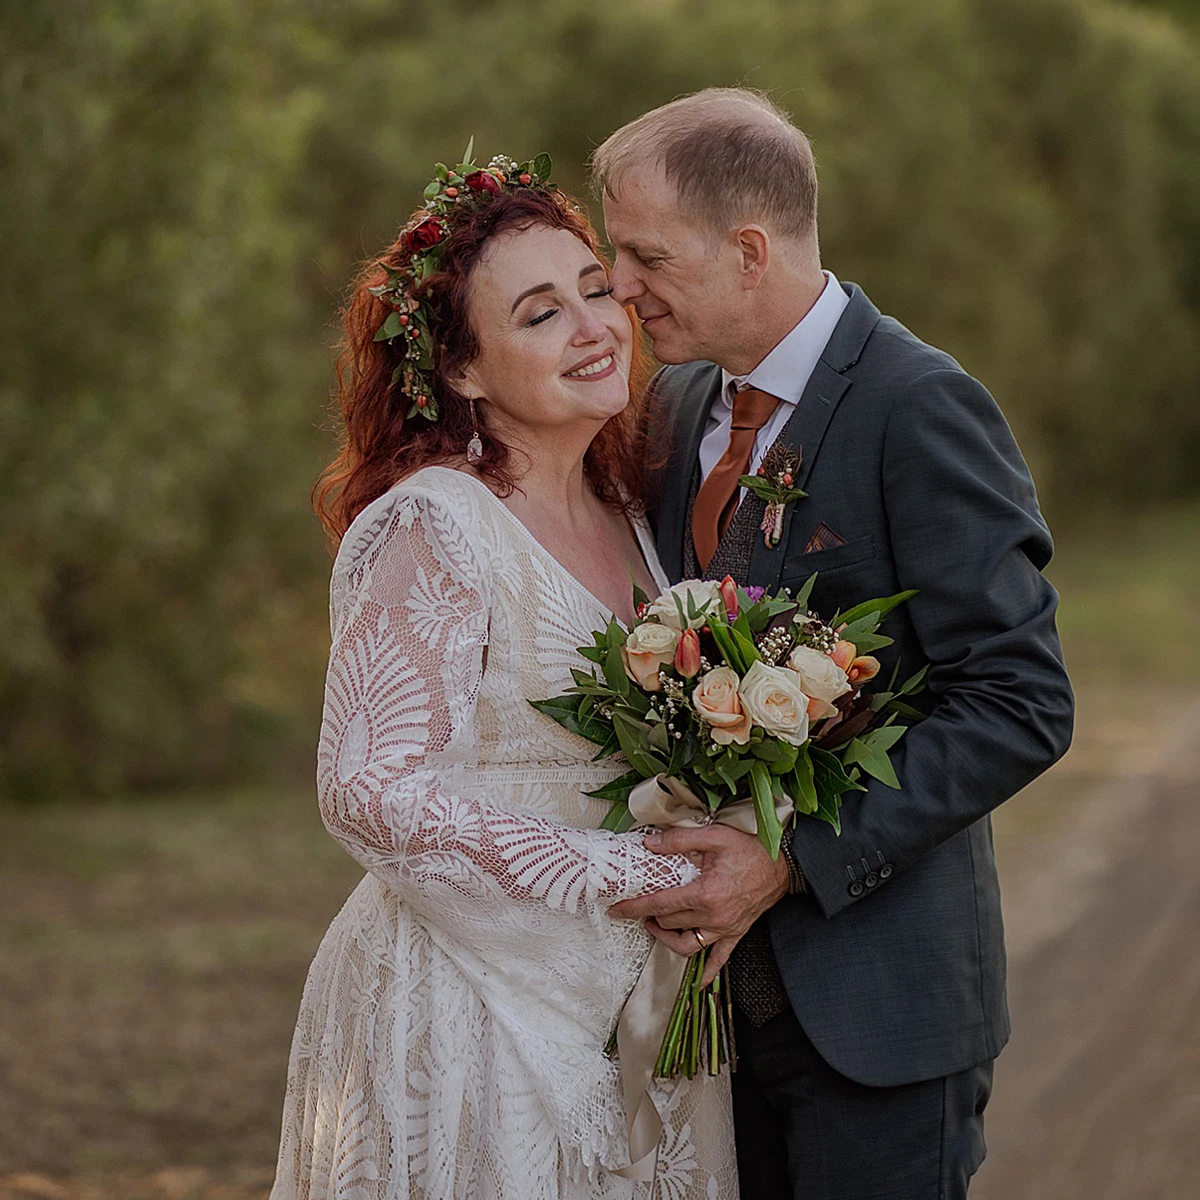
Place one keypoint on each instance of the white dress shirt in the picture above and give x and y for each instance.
(784, 373)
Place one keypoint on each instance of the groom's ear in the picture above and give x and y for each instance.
(753, 245)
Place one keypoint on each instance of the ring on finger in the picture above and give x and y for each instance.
(699, 939)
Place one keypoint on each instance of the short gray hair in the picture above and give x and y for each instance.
(732, 155)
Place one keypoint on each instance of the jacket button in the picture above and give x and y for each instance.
(885, 872)
(872, 880)
(856, 889)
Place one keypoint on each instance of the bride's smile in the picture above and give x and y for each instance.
(554, 346)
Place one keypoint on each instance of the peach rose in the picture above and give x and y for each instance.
(704, 595)
(648, 649)
(718, 704)
(820, 677)
(773, 700)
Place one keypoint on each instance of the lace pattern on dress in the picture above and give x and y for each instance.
(450, 1034)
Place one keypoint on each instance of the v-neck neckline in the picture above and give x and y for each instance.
(640, 533)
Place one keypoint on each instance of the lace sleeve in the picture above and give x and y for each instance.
(411, 630)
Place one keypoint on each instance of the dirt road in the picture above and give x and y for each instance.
(1098, 1093)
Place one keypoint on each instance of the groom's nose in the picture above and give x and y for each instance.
(625, 283)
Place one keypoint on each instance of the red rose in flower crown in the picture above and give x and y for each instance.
(483, 181)
(406, 329)
(427, 234)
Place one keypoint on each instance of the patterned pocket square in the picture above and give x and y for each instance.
(824, 539)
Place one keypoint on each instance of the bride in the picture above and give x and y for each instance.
(450, 1041)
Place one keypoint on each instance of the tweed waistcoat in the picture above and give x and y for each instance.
(753, 975)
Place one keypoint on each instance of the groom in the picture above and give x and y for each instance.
(867, 969)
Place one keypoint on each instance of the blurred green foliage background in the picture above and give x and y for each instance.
(186, 186)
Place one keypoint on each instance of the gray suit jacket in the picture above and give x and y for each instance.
(894, 963)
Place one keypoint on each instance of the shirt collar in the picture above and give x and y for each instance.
(786, 369)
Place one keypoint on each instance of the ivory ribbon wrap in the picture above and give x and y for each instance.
(666, 803)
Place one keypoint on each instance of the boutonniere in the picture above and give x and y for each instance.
(775, 483)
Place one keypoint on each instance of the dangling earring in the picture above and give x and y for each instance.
(475, 445)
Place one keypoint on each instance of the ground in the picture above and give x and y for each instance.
(152, 952)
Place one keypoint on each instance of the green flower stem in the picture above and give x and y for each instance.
(714, 1034)
(699, 1035)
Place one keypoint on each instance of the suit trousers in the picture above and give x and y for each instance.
(805, 1132)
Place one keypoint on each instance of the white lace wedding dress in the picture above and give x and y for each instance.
(450, 1038)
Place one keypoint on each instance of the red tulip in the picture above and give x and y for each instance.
(687, 654)
(729, 597)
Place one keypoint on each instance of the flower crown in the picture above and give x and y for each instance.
(407, 327)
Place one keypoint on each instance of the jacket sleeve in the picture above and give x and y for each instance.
(965, 531)
(411, 630)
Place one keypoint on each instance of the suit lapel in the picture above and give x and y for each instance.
(803, 435)
(806, 428)
(687, 428)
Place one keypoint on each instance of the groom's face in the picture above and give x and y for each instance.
(680, 277)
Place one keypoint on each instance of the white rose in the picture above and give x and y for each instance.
(648, 648)
(705, 594)
(820, 677)
(773, 700)
(717, 704)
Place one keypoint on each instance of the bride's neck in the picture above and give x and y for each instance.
(553, 482)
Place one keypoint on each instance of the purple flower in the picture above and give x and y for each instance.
(755, 594)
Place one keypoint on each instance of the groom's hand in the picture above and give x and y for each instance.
(738, 883)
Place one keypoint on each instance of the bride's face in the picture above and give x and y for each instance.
(554, 346)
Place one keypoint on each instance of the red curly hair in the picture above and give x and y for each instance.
(379, 445)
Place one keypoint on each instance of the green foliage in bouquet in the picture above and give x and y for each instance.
(810, 746)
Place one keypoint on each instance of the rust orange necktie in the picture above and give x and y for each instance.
(717, 499)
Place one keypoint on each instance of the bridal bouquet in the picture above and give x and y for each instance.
(737, 707)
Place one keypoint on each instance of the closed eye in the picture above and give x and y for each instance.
(545, 316)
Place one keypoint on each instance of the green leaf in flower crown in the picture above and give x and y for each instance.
(914, 683)
(398, 373)
(390, 328)
(470, 150)
(879, 607)
(770, 831)
(543, 167)
(441, 171)
(432, 189)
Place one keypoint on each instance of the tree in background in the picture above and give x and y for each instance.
(186, 185)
